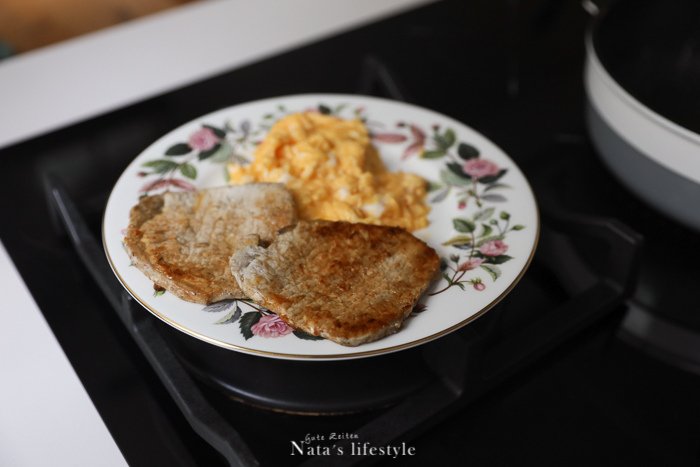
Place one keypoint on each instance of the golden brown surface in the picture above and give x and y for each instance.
(334, 173)
(350, 283)
(183, 241)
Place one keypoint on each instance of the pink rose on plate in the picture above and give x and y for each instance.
(470, 264)
(203, 139)
(270, 326)
(479, 168)
(493, 248)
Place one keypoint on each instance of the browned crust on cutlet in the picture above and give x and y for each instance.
(183, 241)
(350, 283)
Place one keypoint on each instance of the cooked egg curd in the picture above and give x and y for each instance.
(334, 173)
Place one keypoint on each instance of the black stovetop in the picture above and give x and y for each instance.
(511, 70)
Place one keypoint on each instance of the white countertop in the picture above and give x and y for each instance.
(71, 81)
(47, 417)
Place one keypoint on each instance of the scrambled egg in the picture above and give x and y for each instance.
(334, 173)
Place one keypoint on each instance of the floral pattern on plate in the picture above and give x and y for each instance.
(483, 221)
(471, 177)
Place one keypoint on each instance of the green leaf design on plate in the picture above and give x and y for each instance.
(493, 270)
(208, 153)
(518, 227)
(219, 306)
(493, 178)
(456, 169)
(495, 186)
(324, 109)
(459, 240)
(497, 259)
(247, 321)
(434, 154)
(484, 214)
(306, 336)
(161, 166)
(463, 225)
(494, 198)
(188, 170)
(224, 154)
(467, 151)
(441, 196)
(450, 178)
(446, 140)
(217, 131)
(231, 317)
(487, 230)
(179, 149)
(432, 186)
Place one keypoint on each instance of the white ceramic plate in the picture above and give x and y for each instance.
(483, 221)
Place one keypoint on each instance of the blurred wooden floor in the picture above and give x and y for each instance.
(29, 24)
